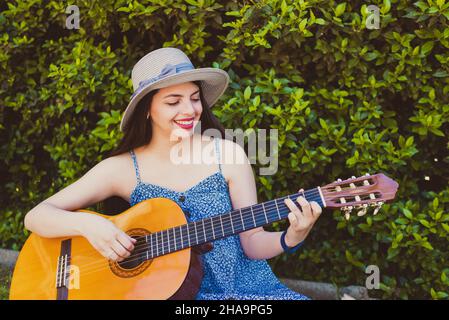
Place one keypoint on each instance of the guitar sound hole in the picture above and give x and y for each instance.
(132, 262)
(137, 257)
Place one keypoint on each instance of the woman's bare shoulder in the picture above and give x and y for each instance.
(233, 153)
(121, 167)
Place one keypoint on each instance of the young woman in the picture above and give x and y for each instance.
(171, 98)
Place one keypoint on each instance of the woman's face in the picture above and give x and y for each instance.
(176, 110)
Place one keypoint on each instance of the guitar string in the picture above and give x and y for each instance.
(139, 255)
(266, 205)
(184, 239)
(99, 266)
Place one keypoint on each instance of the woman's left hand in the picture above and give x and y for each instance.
(301, 221)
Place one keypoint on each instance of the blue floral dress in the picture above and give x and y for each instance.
(228, 272)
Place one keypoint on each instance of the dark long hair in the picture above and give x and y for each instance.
(139, 133)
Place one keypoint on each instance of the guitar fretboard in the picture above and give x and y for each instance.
(221, 226)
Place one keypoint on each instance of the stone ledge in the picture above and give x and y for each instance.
(325, 291)
(8, 258)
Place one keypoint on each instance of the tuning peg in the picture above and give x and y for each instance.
(338, 188)
(363, 211)
(347, 211)
(378, 206)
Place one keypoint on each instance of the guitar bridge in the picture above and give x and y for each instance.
(63, 271)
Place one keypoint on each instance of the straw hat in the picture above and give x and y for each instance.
(169, 66)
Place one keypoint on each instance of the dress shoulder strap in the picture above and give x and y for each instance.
(136, 166)
(217, 152)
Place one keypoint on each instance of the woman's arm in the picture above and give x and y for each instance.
(54, 217)
(258, 243)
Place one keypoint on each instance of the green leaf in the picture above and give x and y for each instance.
(386, 7)
(409, 141)
(435, 203)
(323, 124)
(437, 132)
(247, 93)
(340, 9)
(284, 7)
(192, 2)
(352, 260)
(256, 101)
(233, 13)
(427, 47)
(392, 252)
(401, 221)
(407, 213)
(441, 74)
(425, 223)
(302, 24)
(427, 245)
(445, 227)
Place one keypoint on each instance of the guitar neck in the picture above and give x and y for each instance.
(225, 225)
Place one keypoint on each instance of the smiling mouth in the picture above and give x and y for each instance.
(185, 123)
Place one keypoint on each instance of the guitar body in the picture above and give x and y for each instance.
(173, 276)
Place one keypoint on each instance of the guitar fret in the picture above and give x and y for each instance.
(196, 233)
(162, 241)
(252, 213)
(264, 212)
(221, 222)
(188, 234)
(204, 231)
(174, 238)
(168, 240)
(213, 227)
(151, 244)
(182, 242)
(277, 208)
(232, 225)
(157, 246)
(241, 217)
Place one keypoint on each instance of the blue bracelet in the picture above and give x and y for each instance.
(286, 248)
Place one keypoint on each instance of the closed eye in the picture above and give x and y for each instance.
(175, 103)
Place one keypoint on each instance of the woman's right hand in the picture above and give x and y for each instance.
(107, 238)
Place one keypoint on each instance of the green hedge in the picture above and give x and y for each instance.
(347, 100)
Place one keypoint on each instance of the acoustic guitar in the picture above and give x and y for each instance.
(164, 264)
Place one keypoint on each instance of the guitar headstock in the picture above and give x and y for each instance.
(360, 193)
